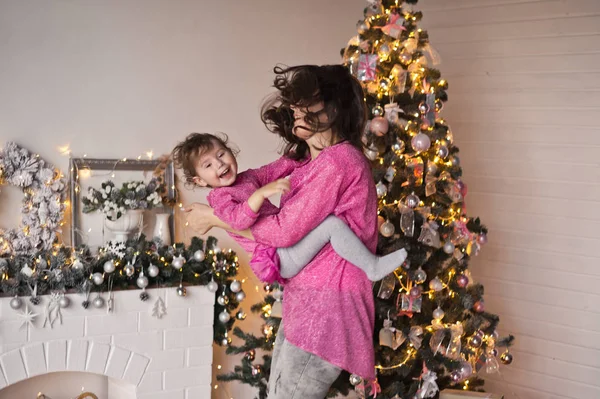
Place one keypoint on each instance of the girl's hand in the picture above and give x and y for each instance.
(199, 217)
(279, 186)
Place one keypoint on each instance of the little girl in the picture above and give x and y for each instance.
(239, 200)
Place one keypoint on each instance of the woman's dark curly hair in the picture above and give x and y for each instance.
(306, 85)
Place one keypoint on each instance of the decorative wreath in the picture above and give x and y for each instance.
(43, 208)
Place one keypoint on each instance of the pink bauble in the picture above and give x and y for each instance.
(416, 291)
(482, 239)
(479, 306)
(421, 142)
(462, 280)
(379, 126)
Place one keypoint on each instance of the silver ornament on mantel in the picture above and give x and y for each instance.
(98, 278)
(199, 255)
(64, 302)
(142, 281)
(153, 270)
(77, 264)
(181, 290)
(235, 286)
(16, 303)
(109, 266)
(98, 302)
(129, 270)
(224, 317)
(240, 296)
(178, 262)
(212, 286)
(222, 300)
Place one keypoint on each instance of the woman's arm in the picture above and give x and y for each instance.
(277, 169)
(309, 204)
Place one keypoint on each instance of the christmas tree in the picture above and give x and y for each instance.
(432, 330)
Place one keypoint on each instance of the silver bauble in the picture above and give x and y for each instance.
(377, 110)
(212, 286)
(240, 296)
(355, 379)
(98, 302)
(449, 247)
(178, 262)
(16, 303)
(455, 161)
(235, 286)
(412, 201)
(142, 281)
(153, 270)
(455, 376)
(181, 290)
(398, 147)
(466, 370)
(225, 341)
(77, 264)
(475, 341)
(97, 278)
(362, 27)
(421, 142)
(506, 358)
(387, 229)
(129, 270)
(420, 276)
(240, 315)
(432, 168)
(436, 284)
(199, 255)
(438, 313)
(64, 302)
(442, 151)
(222, 300)
(381, 189)
(109, 266)
(224, 316)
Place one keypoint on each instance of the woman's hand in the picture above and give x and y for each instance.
(199, 217)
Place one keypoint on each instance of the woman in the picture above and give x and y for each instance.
(328, 309)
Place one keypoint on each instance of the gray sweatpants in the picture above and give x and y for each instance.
(297, 374)
(345, 243)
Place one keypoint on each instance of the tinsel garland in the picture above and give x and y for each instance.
(64, 269)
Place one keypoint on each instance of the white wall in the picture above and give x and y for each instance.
(524, 93)
(115, 79)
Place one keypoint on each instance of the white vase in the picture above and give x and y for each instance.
(161, 228)
(129, 222)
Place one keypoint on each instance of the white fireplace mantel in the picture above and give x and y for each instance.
(143, 357)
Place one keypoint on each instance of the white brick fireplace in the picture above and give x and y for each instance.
(138, 355)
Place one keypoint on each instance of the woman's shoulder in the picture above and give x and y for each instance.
(343, 153)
